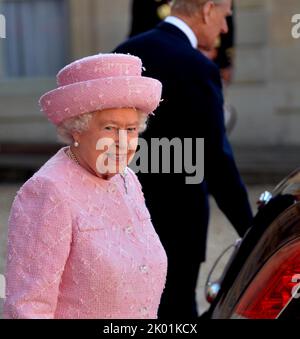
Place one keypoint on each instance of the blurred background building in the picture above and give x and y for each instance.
(44, 35)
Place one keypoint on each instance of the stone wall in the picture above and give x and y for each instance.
(267, 79)
(265, 90)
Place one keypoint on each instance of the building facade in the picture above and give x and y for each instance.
(43, 35)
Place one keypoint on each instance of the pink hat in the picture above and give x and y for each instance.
(101, 82)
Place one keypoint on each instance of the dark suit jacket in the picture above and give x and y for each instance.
(192, 108)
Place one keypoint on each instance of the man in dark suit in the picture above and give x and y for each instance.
(192, 108)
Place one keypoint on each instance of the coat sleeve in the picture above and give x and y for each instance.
(39, 238)
(220, 171)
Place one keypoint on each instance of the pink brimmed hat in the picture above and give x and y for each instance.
(101, 82)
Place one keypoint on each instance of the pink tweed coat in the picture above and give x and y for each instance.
(82, 247)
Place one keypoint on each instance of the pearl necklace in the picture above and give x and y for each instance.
(123, 175)
(73, 156)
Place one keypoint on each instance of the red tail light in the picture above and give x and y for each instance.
(274, 286)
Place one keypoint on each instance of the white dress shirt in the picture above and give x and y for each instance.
(173, 20)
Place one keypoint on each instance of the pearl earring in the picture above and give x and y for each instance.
(76, 144)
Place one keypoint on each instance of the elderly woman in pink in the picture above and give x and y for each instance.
(81, 243)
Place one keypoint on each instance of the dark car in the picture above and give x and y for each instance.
(262, 277)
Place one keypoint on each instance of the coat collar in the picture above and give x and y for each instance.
(184, 27)
(172, 29)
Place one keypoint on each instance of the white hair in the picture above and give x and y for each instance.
(189, 7)
(81, 124)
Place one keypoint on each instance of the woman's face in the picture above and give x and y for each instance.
(110, 143)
